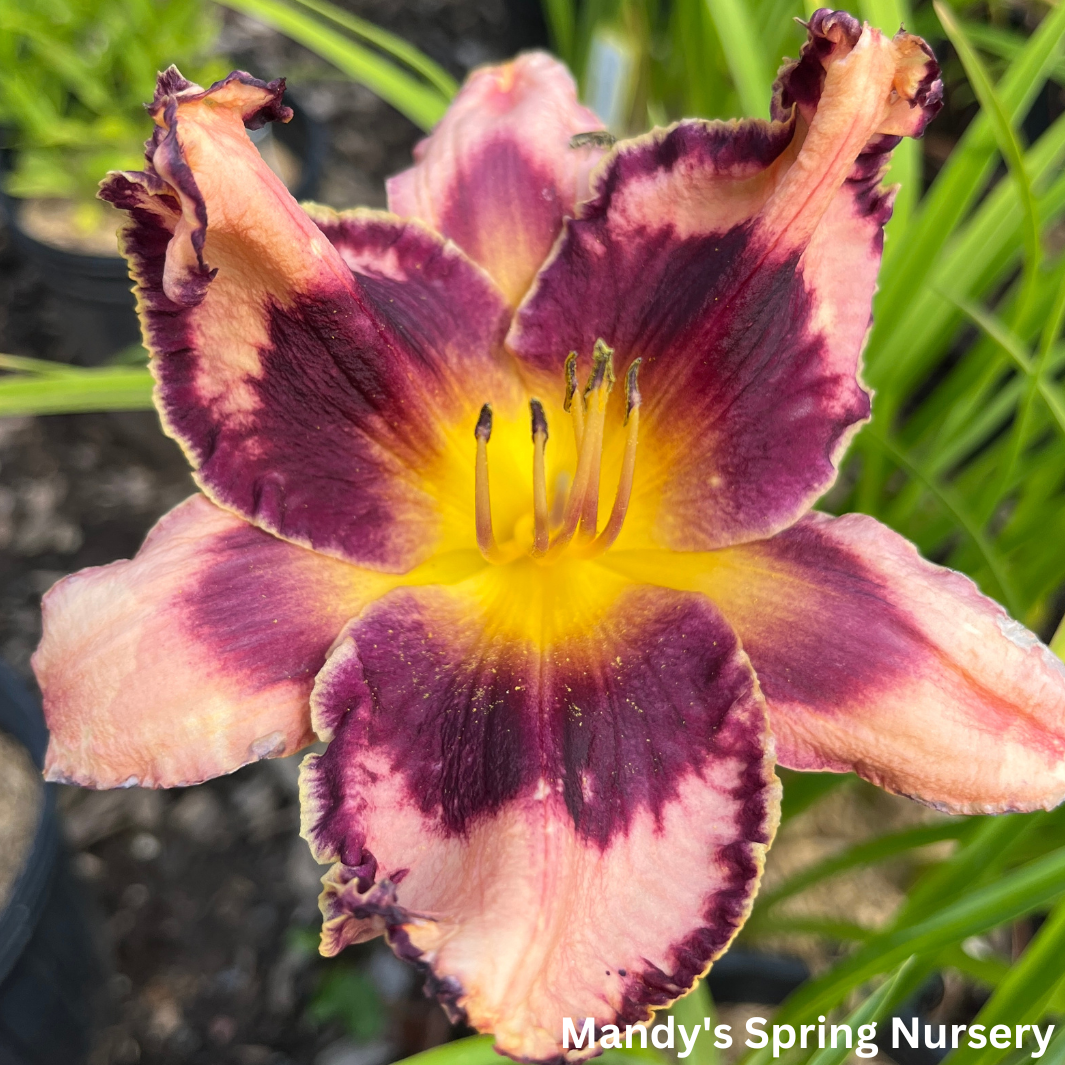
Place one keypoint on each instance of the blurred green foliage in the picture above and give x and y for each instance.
(74, 76)
(346, 994)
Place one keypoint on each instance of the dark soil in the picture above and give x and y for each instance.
(204, 899)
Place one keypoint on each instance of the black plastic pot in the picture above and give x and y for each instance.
(48, 965)
(746, 976)
(927, 997)
(98, 316)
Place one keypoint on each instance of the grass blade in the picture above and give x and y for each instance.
(743, 54)
(692, 1010)
(394, 45)
(872, 1009)
(802, 790)
(23, 364)
(1001, 124)
(867, 853)
(956, 507)
(1055, 1054)
(998, 331)
(1014, 895)
(80, 390)
(473, 1050)
(991, 838)
(562, 24)
(1013, 154)
(906, 265)
(1021, 996)
(421, 103)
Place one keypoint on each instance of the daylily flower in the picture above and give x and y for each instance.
(552, 612)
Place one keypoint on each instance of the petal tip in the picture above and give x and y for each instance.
(259, 101)
(916, 89)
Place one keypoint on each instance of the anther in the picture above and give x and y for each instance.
(602, 368)
(576, 409)
(486, 540)
(632, 390)
(539, 419)
(541, 529)
(483, 429)
(571, 380)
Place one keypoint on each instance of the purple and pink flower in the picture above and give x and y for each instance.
(552, 719)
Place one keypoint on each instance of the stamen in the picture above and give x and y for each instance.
(486, 540)
(599, 387)
(541, 531)
(572, 514)
(591, 446)
(577, 409)
(628, 467)
(632, 391)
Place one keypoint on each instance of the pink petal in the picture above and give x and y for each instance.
(739, 261)
(498, 174)
(573, 830)
(193, 658)
(874, 660)
(314, 401)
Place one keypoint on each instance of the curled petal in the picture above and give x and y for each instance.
(554, 821)
(193, 658)
(855, 91)
(238, 101)
(917, 91)
(499, 174)
(874, 660)
(738, 261)
(315, 401)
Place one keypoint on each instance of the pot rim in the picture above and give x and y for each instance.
(113, 267)
(21, 718)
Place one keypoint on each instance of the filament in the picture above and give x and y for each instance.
(486, 539)
(576, 409)
(541, 530)
(597, 393)
(576, 513)
(628, 468)
(595, 398)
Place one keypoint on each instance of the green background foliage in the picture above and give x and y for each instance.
(74, 75)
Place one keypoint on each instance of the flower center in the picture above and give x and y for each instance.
(572, 528)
